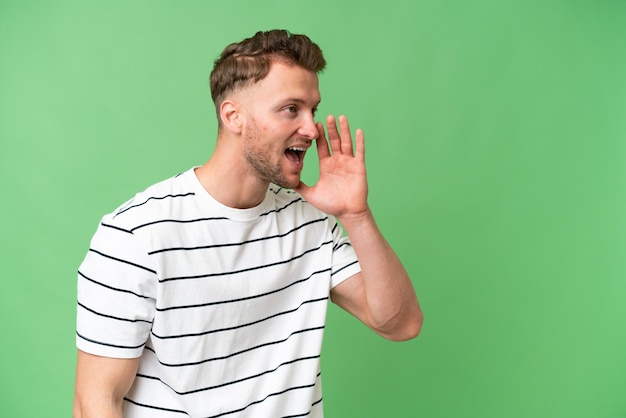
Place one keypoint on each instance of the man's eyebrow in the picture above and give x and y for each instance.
(297, 100)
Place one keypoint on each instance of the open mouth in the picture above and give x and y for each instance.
(295, 154)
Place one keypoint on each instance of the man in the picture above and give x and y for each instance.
(206, 294)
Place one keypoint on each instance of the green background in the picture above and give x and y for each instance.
(496, 150)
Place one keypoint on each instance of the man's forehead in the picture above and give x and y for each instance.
(292, 71)
(286, 82)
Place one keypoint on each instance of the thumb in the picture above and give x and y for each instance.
(303, 189)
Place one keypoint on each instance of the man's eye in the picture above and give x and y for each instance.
(291, 109)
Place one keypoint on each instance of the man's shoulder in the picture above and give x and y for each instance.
(157, 200)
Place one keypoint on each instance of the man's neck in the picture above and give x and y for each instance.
(231, 183)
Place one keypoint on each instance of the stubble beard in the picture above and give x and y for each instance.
(259, 160)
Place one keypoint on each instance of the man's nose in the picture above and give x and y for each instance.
(308, 129)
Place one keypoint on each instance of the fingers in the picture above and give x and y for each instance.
(320, 142)
(360, 145)
(346, 137)
(341, 141)
(333, 136)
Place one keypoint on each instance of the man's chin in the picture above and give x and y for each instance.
(288, 183)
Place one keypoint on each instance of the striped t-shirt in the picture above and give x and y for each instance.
(226, 307)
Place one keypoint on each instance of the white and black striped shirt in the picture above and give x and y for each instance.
(226, 307)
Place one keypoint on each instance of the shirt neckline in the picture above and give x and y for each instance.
(213, 204)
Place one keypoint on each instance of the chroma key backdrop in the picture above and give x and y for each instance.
(496, 152)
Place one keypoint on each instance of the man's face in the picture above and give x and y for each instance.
(279, 123)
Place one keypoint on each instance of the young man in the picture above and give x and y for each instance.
(206, 294)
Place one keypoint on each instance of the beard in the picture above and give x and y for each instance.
(259, 155)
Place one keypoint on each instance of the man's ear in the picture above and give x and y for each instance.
(230, 113)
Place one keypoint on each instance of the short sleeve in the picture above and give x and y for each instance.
(345, 262)
(116, 291)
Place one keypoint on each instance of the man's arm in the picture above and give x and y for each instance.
(381, 295)
(101, 384)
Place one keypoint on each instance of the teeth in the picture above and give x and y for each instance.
(297, 149)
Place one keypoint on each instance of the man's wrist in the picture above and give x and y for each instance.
(355, 220)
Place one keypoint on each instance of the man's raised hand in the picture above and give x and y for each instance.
(341, 189)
